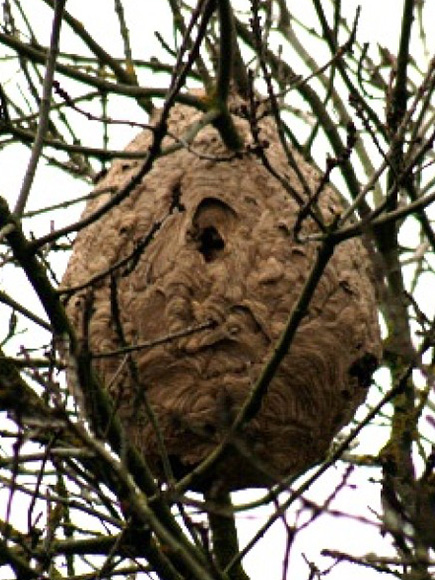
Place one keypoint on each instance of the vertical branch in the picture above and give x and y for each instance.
(219, 97)
(231, 66)
(44, 110)
(125, 34)
(224, 535)
(224, 123)
(399, 97)
(226, 43)
(399, 340)
(399, 483)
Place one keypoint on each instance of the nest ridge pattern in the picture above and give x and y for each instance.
(224, 252)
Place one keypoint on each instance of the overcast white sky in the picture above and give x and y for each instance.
(380, 22)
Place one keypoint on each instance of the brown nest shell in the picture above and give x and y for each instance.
(223, 250)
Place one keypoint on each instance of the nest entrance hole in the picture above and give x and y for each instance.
(210, 243)
(212, 222)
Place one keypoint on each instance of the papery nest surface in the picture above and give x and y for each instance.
(223, 250)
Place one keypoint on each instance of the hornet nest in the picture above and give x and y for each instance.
(222, 249)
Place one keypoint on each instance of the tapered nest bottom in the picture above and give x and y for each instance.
(291, 430)
(236, 468)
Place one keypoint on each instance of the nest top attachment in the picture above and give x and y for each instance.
(222, 250)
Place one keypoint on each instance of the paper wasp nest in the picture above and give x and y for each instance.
(224, 251)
